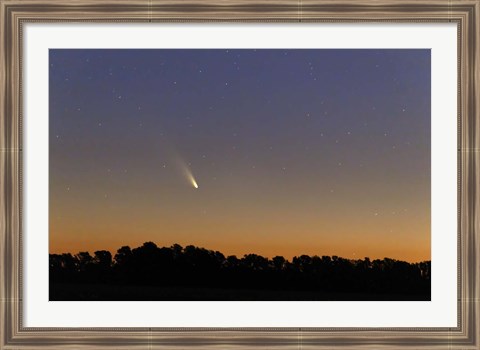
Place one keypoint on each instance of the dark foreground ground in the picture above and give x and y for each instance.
(104, 292)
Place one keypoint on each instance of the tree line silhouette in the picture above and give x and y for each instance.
(193, 267)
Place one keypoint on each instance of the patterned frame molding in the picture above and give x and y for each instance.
(14, 14)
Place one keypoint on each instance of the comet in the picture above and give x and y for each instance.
(194, 183)
(187, 172)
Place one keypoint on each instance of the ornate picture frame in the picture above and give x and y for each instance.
(14, 14)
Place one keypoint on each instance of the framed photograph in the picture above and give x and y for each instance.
(239, 175)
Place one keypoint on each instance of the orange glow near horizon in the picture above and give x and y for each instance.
(237, 227)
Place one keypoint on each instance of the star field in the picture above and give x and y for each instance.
(319, 152)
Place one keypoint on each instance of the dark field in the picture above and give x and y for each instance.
(103, 292)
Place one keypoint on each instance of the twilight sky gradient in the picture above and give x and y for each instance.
(318, 152)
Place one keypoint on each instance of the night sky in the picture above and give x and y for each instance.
(317, 151)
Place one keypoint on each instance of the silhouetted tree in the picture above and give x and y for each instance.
(196, 267)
